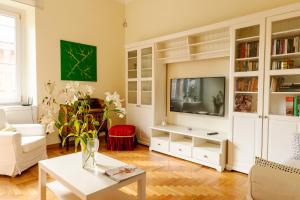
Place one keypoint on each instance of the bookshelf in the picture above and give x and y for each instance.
(204, 45)
(246, 68)
(283, 62)
(246, 93)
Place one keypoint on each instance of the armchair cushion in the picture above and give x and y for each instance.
(29, 129)
(3, 122)
(32, 142)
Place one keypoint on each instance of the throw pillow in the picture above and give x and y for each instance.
(295, 146)
(269, 164)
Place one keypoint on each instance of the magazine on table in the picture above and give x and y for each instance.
(123, 173)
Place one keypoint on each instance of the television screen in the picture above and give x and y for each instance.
(198, 95)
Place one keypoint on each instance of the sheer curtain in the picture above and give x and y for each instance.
(35, 3)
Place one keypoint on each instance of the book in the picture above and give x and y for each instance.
(123, 173)
(296, 111)
(289, 102)
(243, 103)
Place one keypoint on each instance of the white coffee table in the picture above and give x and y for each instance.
(75, 183)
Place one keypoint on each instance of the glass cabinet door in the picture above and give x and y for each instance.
(146, 62)
(132, 64)
(132, 92)
(146, 92)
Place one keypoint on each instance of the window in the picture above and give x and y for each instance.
(9, 69)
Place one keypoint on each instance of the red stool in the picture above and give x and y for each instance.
(121, 137)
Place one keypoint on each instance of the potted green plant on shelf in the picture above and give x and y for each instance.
(82, 126)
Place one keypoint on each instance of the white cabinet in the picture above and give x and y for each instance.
(246, 93)
(139, 90)
(265, 128)
(280, 138)
(282, 68)
(246, 141)
(190, 144)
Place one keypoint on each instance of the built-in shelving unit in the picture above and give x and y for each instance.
(204, 45)
(284, 67)
(246, 68)
(139, 89)
(246, 93)
(190, 144)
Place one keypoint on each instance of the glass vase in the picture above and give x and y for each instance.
(88, 153)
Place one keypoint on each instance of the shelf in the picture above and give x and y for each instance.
(247, 39)
(132, 70)
(246, 59)
(147, 55)
(245, 92)
(211, 54)
(147, 68)
(147, 91)
(163, 138)
(132, 79)
(246, 74)
(172, 48)
(174, 57)
(208, 147)
(287, 55)
(130, 58)
(146, 79)
(183, 141)
(209, 41)
(285, 93)
(133, 91)
(282, 72)
(286, 33)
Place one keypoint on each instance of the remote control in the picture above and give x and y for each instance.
(213, 133)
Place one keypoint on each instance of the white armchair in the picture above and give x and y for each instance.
(21, 146)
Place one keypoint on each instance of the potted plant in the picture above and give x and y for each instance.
(82, 126)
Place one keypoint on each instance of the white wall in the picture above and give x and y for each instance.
(94, 22)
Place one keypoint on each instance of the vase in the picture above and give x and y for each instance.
(88, 153)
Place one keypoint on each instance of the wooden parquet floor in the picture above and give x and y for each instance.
(168, 178)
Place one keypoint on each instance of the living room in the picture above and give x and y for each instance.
(149, 99)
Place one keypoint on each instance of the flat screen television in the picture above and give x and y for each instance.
(204, 95)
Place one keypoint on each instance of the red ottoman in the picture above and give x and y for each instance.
(121, 137)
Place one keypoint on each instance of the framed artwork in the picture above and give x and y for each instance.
(78, 61)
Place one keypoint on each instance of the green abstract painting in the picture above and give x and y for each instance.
(78, 61)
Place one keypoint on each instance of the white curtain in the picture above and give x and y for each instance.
(35, 3)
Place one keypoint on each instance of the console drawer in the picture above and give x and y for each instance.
(207, 156)
(180, 149)
(159, 145)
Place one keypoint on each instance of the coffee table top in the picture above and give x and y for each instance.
(68, 170)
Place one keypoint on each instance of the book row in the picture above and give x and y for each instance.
(247, 84)
(244, 66)
(292, 105)
(289, 64)
(286, 45)
(247, 49)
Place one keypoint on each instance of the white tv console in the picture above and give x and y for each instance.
(190, 144)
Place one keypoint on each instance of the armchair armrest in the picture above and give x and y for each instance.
(29, 129)
(7, 137)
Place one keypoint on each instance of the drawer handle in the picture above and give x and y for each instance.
(158, 144)
(180, 149)
(205, 156)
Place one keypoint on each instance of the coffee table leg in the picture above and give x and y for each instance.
(42, 184)
(142, 188)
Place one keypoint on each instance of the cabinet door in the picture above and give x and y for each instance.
(246, 141)
(280, 138)
(145, 121)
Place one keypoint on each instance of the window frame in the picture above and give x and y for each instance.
(17, 16)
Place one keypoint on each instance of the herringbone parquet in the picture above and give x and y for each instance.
(168, 178)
